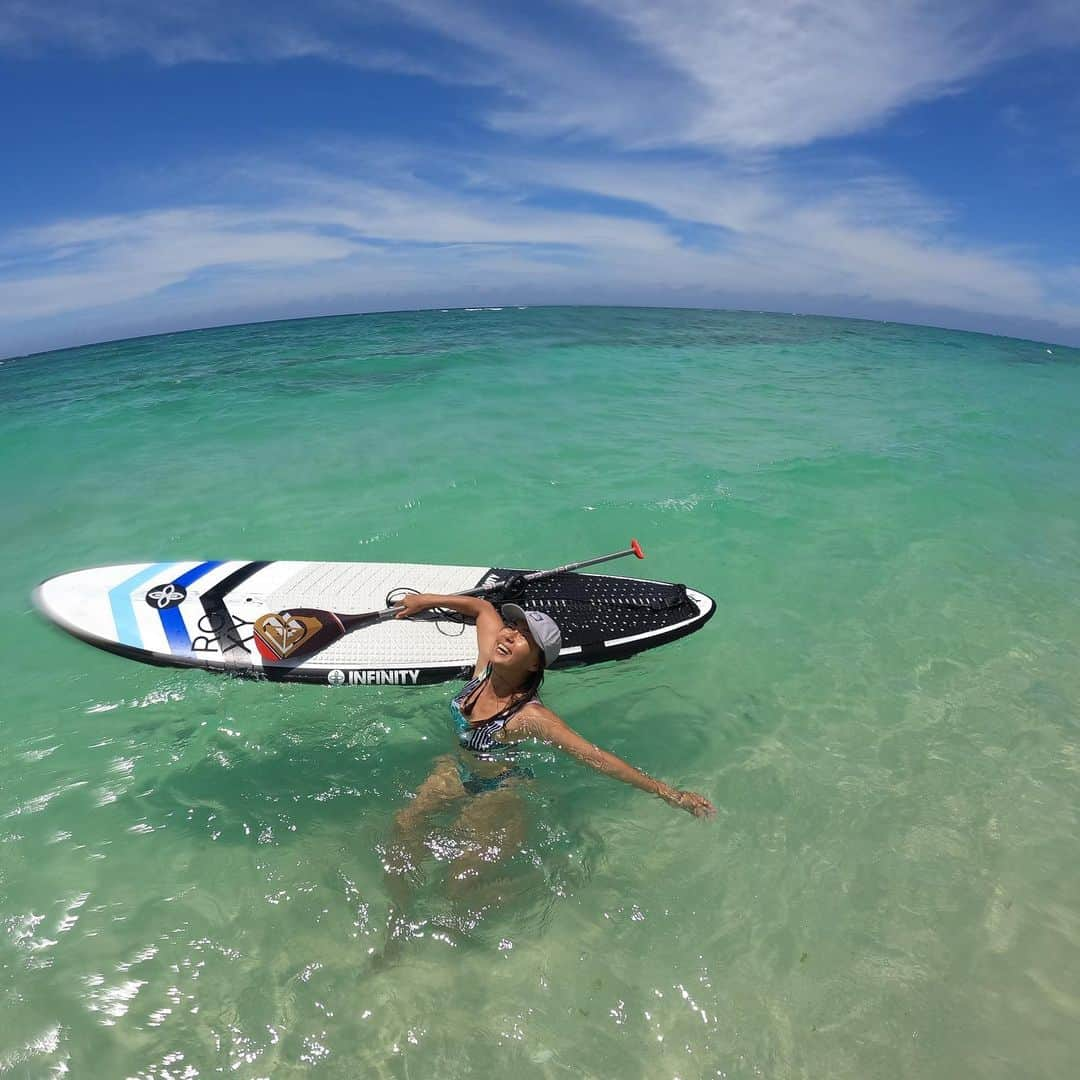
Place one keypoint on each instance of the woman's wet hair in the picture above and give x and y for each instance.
(531, 686)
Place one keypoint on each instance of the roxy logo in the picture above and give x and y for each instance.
(409, 677)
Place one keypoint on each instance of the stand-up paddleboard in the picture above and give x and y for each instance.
(296, 621)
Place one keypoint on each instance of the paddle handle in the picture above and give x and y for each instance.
(633, 549)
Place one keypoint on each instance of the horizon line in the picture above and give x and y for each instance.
(526, 307)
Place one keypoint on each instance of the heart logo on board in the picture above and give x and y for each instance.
(279, 634)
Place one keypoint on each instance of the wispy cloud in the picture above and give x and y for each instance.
(326, 241)
(197, 31)
(872, 235)
(103, 261)
(679, 178)
(736, 77)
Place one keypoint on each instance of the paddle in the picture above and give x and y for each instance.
(300, 632)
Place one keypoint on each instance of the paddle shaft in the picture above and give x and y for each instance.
(535, 575)
(291, 635)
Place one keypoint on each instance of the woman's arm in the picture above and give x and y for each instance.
(544, 725)
(488, 620)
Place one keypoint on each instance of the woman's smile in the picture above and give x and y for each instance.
(510, 641)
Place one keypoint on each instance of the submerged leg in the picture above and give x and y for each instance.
(405, 851)
(492, 828)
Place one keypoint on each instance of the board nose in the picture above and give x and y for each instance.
(83, 601)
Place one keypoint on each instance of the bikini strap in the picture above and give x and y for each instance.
(466, 699)
(467, 695)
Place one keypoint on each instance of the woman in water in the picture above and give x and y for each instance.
(496, 710)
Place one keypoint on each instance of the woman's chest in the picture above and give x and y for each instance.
(488, 707)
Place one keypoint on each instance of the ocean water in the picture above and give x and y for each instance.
(884, 710)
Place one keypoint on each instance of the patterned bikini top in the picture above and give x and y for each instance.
(483, 739)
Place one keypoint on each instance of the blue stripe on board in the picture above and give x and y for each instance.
(184, 580)
(127, 629)
(171, 619)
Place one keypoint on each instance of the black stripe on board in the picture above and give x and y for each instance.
(219, 621)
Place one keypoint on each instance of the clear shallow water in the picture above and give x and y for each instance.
(885, 709)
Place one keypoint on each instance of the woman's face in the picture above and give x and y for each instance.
(514, 650)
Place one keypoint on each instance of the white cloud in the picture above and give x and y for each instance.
(733, 217)
(785, 74)
(327, 242)
(744, 77)
(731, 76)
(170, 34)
(102, 261)
(870, 236)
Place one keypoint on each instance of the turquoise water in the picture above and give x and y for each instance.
(884, 710)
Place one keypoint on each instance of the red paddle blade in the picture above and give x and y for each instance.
(288, 635)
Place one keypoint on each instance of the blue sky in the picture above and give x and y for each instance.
(174, 166)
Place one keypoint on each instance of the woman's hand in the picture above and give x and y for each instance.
(689, 801)
(411, 604)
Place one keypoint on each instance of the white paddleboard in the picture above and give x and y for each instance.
(203, 614)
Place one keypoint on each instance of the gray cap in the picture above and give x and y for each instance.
(542, 629)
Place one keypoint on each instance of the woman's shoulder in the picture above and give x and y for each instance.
(535, 717)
